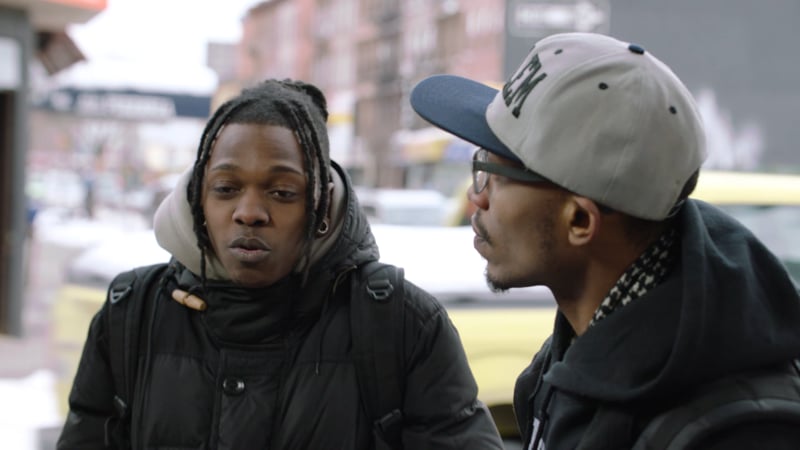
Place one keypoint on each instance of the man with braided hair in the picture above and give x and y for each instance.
(256, 352)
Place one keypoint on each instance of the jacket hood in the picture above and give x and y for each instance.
(728, 305)
(355, 244)
(350, 241)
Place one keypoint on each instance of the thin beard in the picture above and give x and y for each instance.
(546, 230)
(492, 286)
(482, 231)
(489, 282)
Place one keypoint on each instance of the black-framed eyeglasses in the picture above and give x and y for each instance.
(481, 168)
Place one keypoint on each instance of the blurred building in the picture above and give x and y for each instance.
(29, 30)
(276, 41)
(366, 55)
(460, 37)
(391, 46)
(334, 70)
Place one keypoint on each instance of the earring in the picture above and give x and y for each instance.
(323, 228)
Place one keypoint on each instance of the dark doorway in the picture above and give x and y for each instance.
(7, 165)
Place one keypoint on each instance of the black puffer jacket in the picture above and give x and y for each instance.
(273, 369)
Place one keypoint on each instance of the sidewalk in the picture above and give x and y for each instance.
(29, 370)
(29, 410)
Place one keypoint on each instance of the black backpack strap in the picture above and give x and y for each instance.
(121, 287)
(376, 316)
(127, 300)
(758, 396)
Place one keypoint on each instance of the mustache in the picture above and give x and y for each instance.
(480, 229)
(249, 243)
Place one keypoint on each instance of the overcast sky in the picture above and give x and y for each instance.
(154, 42)
(158, 30)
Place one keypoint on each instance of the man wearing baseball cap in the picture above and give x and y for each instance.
(585, 161)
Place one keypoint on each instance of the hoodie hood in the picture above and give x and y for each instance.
(349, 242)
(727, 306)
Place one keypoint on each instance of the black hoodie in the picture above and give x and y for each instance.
(727, 306)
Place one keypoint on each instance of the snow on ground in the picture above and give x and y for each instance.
(56, 226)
(28, 406)
(29, 412)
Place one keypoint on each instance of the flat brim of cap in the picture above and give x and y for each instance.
(458, 106)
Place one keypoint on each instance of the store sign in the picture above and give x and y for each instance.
(124, 106)
(534, 18)
(527, 21)
(133, 105)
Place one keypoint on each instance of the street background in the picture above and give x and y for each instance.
(29, 411)
(104, 103)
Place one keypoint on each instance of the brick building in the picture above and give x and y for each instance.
(366, 55)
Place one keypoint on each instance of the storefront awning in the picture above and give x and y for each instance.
(125, 104)
(57, 51)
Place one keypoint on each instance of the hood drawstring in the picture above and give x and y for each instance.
(543, 414)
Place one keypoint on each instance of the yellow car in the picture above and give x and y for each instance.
(767, 204)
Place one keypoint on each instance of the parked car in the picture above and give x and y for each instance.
(768, 204)
(419, 207)
(143, 199)
(57, 188)
(500, 331)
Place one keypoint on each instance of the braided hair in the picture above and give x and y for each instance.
(298, 106)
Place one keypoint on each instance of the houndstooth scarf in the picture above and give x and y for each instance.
(646, 272)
